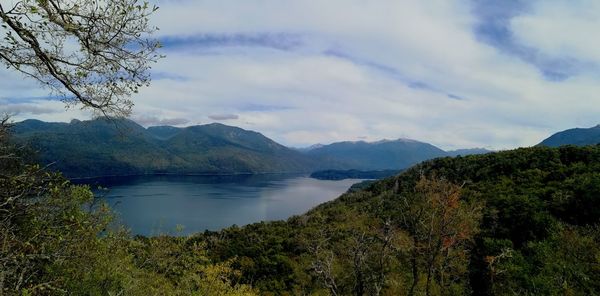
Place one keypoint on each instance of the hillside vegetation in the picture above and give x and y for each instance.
(574, 136)
(382, 155)
(122, 147)
(516, 222)
(116, 147)
(56, 241)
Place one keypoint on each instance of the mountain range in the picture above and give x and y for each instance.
(386, 155)
(104, 147)
(575, 136)
(122, 147)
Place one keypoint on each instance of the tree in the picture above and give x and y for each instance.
(42, 222)
(440, 226)
(54, 240)
(90, 52)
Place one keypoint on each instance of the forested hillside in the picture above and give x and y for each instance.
(462, 222)
(104, 147)
(115, 147)
(382, 155)
(519, 222)
(514, 222)
(574, 136)
(56, 241)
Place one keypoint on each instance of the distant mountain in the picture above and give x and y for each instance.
(105, 147)
(309, 148)
(163, 132)
(353, 174)
(575, 136)
(118, 147)
(381, 155)
(465, 152)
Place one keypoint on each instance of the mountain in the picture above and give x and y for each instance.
(381, 155)
(163, 132)
(465, 152)
(105, 147)
(91, 148)
(120, 147)
(575, 136)
(309, 148)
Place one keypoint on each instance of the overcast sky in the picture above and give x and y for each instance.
(457, 74)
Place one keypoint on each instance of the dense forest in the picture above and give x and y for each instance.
(118, 146)
(519, 222)
(516, 222)
(57, 241)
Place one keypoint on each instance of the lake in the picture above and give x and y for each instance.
(151, 205)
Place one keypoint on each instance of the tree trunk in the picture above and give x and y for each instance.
(415, 268)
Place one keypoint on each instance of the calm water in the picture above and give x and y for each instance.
(150, 205)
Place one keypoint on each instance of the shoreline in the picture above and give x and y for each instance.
(190, 174)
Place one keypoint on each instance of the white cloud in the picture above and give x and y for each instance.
(150, 120)
(41, 109)
(302, 96)
(562, 28)
(223, 117)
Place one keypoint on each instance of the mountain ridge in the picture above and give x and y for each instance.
(122, 147)
(574, 136)
(102, 147)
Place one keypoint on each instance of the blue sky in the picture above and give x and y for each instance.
(457, 74)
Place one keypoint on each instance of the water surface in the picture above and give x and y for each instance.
(150, 205)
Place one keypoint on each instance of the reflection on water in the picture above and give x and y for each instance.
(157, 204)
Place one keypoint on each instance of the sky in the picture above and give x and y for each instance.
(453, 73)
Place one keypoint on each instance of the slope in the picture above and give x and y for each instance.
(396, 154)
(575, 136)
(104, 147)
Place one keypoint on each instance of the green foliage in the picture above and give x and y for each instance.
(566, 263)
(515, 222)
(575, 136)
(383, 155)
(538, 232)
(121, 147)
(55, 241)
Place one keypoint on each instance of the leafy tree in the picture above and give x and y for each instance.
(354, 258)
(93, 52)
(55, 241)
(440, 226)
(567, 263)
(522, 222)
(42, 224)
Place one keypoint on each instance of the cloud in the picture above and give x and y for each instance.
(281, 41)
(465, 73)
(156, 121)
(47, 109)
(386, 69)
(249, 107)
(221, 117)
(517, 28)
(18, 109)
(168, 76)
(455, 97)
(561, 29)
